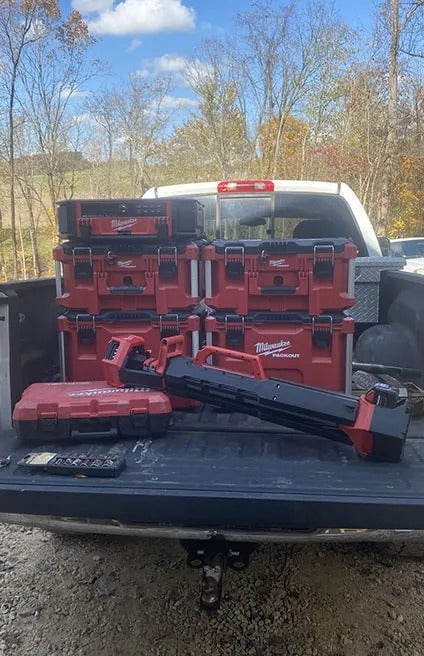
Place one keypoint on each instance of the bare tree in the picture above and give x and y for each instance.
(219, 118)
(142, 118)
(53, 72)
(103, 110)
(19, 23)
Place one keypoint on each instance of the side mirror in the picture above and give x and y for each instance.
(384, 245)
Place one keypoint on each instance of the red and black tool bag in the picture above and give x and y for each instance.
(91, 221)
(313, 350)
(128, 277)
(309, 275)
(87, 336)
(89, 410)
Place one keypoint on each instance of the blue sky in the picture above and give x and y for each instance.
(146, 35)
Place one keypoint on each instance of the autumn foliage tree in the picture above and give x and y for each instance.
(288, 160)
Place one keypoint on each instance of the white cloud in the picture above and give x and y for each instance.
(142, 73)
(84, 119)
(135, 43)
(170, 64)
(141, 17)
(67, 92)
(207, 26)
(181, 67)
(176, 102)
(91, 6)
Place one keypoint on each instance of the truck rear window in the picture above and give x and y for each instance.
(290, 214)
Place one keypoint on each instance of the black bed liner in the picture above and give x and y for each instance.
(229, 471)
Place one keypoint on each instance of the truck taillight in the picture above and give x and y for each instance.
(227, 186)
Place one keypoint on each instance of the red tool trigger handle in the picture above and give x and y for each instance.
(257, 370)
(170, 347)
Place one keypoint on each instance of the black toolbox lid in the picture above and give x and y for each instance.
(123, 246)
(279, 317)
(279, 246)
(119, 316)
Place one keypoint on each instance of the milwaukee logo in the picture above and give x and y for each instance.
(111, 390)
(122, 224)
(277, 263)
(275, 350)
(126, 264)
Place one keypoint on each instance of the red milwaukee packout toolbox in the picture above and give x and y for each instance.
(127, 277)
(86, 338)
(310, 275)
(161, 220)
(78, 411)
(313, 350)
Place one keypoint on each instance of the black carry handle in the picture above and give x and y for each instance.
(81, 434)
(283, 289)
(126, 289)
(390, 370)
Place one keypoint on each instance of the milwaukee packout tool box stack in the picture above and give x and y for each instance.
(283, 300)
(129, 266)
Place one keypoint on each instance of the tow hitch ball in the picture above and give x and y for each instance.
(213, 557)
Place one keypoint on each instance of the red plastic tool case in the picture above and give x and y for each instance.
(313, 350)
(128, 277)
(163, 220)
(78, 411)
(310, 275)
(87, 336)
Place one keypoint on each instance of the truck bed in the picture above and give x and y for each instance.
(223, 471)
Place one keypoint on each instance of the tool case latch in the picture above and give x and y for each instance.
(47, 422)
(234, 330)
(82, 262)
(138, 419)
(167, 262)
(322, 331)
(234, 262)
(323, 260)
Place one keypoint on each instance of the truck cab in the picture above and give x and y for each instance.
(236, 209)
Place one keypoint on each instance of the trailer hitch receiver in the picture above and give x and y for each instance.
(213, 557)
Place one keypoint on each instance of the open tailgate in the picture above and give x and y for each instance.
(228, 472)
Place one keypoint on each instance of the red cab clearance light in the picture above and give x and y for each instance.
(228, 186)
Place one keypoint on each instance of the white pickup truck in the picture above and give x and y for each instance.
(263, 482)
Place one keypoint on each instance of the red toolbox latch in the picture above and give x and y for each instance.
(234, 262)
(167, 262)
(322, 331)
(85, 227)
(324, 260)
(169, 325)
(85, 325)
(234, 330)
(82, 262)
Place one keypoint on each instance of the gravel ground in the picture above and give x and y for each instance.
(77, 596)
